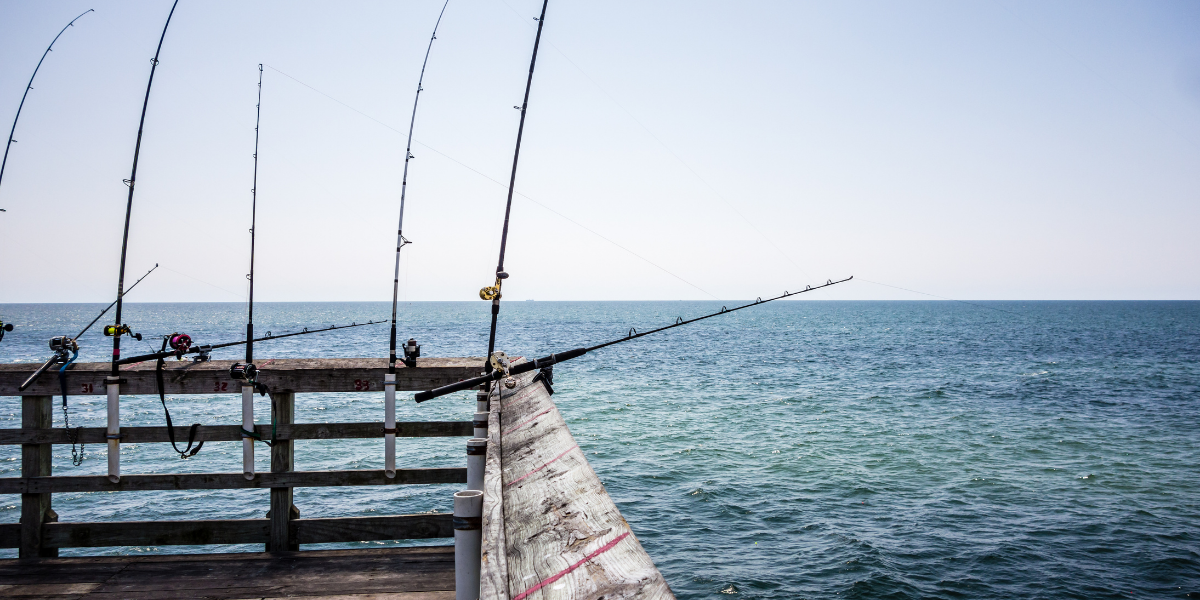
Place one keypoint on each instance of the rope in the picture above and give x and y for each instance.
(73, 436)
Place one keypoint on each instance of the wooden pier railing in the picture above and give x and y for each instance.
(40, 534)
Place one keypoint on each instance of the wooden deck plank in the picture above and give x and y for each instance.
(565, 539)
(212, 377)
(421, 573)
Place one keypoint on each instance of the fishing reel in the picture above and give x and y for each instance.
(493, 292)
(180, 343)
(412, 351)
(5, 327)
(245, 372)
(120, 330)
(62, 345)
(499, 361)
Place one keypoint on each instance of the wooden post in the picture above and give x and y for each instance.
(36, 412)
(282, 510)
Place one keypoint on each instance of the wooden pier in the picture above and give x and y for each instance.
(550, 529)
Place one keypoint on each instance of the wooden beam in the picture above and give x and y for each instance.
(212, 377)
(561, 526)
(236, 531)
(232, 433)
(365, 529)
(223, 481)
(36, 411)
(282, 462)
(493, 580)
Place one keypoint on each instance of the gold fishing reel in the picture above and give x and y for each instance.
(490, 292)
(493, 292)
(499, 362)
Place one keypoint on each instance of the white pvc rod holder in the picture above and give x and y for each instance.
(468, 543)
(114, 429)
(476, 457)
(247, 425)
(389, 424)
(481, 402)
(479, 424)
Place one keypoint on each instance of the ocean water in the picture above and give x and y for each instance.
(794, 450)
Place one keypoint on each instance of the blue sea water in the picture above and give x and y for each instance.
(794, 450)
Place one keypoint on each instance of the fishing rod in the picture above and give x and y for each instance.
(502, 369)
(63, 345)
(246, 372)
(493, 292)
(30, 87)
(411, 349)
(113, 382)
(181, 344)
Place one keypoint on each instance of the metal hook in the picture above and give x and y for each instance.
(678, 320)
(632, 332)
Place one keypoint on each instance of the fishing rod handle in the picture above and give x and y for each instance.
(524, 367)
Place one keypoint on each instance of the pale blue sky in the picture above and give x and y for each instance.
(982, 150)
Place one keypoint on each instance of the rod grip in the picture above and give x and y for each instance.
(524, 367)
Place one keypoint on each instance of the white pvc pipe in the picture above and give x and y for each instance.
(248, 425)
(481, 403)
(476, 457)
(480, 424)
(468, 543)
(114, 429)
(389, 424)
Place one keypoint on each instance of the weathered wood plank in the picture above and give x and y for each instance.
(426, 573)
(565, 538)
(36, 411)
(232, 433)
(157, 533)
(235, 531)
(493, 584)
(366, 529)
(221, 481)
(212, 377)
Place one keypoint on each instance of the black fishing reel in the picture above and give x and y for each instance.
(62, 346)
(180, 343)
(246, 372)
(412, 351)
(5, 327)
(120, 330)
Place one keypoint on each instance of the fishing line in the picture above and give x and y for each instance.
(673, 154)
(28, 87)
(943, 297)
(499, 183)
(235, 294)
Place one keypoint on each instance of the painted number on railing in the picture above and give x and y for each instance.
(87, 388)
(362, 385)
(221, 386)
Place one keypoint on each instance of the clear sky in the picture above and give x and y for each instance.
(973, 150)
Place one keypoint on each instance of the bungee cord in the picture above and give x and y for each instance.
(28, 87)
